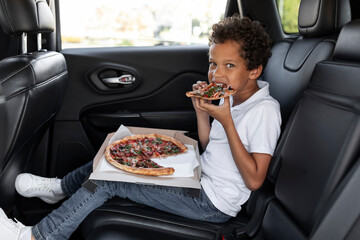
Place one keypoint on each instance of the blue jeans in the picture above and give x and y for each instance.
(62, 222)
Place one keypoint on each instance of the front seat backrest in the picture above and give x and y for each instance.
(33, 85)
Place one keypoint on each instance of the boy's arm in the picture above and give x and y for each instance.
(203, 124)
(202, 117)
(252, 167)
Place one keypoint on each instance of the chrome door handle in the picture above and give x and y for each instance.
(123, 79)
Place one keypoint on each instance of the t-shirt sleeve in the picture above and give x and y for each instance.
(263, 128)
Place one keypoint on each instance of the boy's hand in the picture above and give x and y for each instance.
(203, 119)
(221, 112)
(196, 101)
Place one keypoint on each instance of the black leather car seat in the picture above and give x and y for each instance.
(321, 147)
(293, 59)
(33, 85)
(288, 73)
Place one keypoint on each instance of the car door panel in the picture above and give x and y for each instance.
(156, 98)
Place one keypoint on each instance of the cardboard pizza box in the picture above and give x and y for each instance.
(186, 182)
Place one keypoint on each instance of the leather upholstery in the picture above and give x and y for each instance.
(348, 46)
(23, 97)
(320, 148)
(33, 86)
(123, 219)
(290, 67)
(316, 17)
(18, 16)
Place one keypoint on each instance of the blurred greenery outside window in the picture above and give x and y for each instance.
(109, 23)
(288, 11)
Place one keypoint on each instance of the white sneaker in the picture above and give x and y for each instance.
(10, 229)
(29, 185)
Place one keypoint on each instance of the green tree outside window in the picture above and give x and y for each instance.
(288, 11)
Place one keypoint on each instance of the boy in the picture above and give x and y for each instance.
(238, 146)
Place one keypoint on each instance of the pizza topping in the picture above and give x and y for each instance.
(214, 89)
(147, 164)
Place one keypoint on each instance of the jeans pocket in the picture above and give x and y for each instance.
(216, 217)
(211, 213)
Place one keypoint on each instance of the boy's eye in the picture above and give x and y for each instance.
(212, 64)
(229, 65)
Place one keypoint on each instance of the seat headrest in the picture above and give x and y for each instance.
(347, 45)
(322, 17)
(29, 16)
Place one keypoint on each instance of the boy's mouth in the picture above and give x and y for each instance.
(224, 85)
(220, 84)
(217, 82)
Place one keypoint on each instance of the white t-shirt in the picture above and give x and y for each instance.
(257, 121)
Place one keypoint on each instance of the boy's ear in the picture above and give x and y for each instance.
(256, 72)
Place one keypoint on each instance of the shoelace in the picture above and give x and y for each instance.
(42, 184)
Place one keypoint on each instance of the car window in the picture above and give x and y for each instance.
(94, 23)
(288, 11)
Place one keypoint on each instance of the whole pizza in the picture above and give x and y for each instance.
(134, 153)
(212, 91)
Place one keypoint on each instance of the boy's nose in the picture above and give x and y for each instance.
(217, 72)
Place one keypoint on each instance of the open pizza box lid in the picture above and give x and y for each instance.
(104, 171)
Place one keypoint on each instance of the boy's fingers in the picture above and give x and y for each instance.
(206, 105)
(201, 104)
(199, 84)
(198, 104)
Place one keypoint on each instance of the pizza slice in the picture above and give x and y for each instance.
(143, 167)
(212, 91)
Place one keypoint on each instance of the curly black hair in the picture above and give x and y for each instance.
(254, 42)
